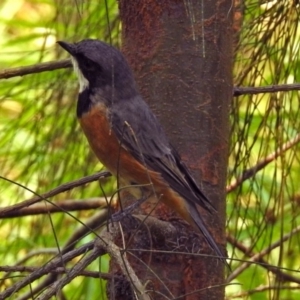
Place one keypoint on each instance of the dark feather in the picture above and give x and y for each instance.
(105, 77)
(144, 138)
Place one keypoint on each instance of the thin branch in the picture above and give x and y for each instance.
(66, 63)
(60, 206)
(116, 254)
(37, 68)
(48, 267)
(43, 251)
(60, 189)
(262, 163)
(101, 246)
(258, 258)
(245, 295)
(238, 91)
(57, 271)
(78, 268)
(91, 224)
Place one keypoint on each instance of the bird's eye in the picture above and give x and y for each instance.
(89, 64)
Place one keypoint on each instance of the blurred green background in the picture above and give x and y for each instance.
(42, 146)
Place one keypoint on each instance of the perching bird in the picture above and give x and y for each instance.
(126, 136)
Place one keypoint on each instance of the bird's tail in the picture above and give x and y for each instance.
(207, 235)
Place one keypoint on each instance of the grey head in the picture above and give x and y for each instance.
(101, 67)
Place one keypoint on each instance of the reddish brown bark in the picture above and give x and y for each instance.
(181, 54)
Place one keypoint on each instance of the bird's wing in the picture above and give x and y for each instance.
(141, 134)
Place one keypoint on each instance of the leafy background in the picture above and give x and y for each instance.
(41, 145)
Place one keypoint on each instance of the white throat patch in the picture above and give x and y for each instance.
(83, 82)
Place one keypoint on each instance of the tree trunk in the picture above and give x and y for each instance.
(181, 54)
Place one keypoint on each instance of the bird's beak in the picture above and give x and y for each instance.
(71, 48)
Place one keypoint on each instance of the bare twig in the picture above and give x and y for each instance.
(238, 91)
(73, 272)
(60, 206)
(60, 189)
(91, 224)
(262, 288)
(43, 251)
(58, 270)
(101, 246)
(37, 68)
(258, 258)
(66, 63)
(262, 163)
(116, 254)
(45, 270)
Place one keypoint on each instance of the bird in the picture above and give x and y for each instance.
(127, 137)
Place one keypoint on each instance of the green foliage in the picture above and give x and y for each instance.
(41, 144)
(265, 208)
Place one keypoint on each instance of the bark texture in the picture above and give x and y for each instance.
(181, 53)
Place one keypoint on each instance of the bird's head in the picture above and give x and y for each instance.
(100, 66)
